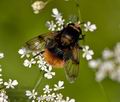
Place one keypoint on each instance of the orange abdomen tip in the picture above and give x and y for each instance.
(52, 59)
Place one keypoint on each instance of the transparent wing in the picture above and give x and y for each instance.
(72, 65)
(37, 43)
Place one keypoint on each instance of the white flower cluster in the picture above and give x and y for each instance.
(32, 59)
(37, 6)
(108, 65)
(3, 96)
(49, 94)
(10, 84)
(58, 23)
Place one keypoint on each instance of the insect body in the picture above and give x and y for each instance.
(60, 49)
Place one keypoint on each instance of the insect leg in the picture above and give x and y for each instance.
(38, 54)
(82, 36)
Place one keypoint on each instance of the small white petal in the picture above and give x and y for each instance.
(107, 54)
(28, 93)
(88, 57)
(15, 82)
(55, 11)
(94, 63)
(61, 83)
(100, 76)
(1, 55)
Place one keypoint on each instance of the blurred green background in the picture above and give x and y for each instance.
(18, 24)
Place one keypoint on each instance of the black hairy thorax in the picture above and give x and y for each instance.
(65, 41)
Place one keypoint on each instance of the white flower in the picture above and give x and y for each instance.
(51, 26)
(38, 5)
(117, 53)
(41, 63)
(59, 97)
(31, 94)
(1, 81)
(115, 75)
(106, 68)
(100, 75)
(50, 97)
(3, 96)
(47, 89)
(48, 73)
(117, 49)
(60, 22)
(94, 63)
(1, 55)
(41, 98)
(59, 28)
(59, 86)
(56, 14)
(23, 52)
(90, 27)
(87, 53)
(69, 100)
(107, 54)
(11, 84)
(28, 63)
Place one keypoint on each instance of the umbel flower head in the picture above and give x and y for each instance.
(39, 61)
(3, 96)
(108, 65)
(49, 94)
(5, 85)
(38, 5)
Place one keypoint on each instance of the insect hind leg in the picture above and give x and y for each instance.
(38, 54)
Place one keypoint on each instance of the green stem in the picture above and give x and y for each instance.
(39, 80)
(78, 8)
(79, 15)
(103, 91)
(48, 1)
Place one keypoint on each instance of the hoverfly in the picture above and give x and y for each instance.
(60, 48)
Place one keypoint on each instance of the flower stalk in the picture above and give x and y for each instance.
(78, 9)
(103, 91)
(39, 80)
